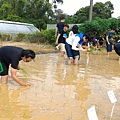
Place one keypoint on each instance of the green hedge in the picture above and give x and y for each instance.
(46, 36)
(99, 26)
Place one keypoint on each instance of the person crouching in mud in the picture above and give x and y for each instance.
(12, 55)
(117, 49)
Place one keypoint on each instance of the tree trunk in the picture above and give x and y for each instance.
(90, 11)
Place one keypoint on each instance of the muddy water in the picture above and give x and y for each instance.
(63, 92)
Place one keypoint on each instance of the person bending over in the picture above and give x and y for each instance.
(12, 55)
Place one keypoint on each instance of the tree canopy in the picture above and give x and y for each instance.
(101, 10)
(42, 12)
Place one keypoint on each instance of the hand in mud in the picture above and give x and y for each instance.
(27, 84)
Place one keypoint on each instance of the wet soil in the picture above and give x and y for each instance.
(60, 91)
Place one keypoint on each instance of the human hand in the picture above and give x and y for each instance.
(56, 43)
(18, 68)
(26, 84)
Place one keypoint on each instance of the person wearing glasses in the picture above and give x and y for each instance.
(12, 55)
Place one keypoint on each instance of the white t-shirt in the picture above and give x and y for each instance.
(73, 40)
(75, 43)
(70, 38)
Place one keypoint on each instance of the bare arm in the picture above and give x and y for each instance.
(57, 39)
(85, 47)
(16, 79)
(107, 39)
(56, 31)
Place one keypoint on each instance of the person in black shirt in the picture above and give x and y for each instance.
(60, 26)
(12, 55)
(61, 39)
(109, 38)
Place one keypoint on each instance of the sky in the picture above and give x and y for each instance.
(70, 7)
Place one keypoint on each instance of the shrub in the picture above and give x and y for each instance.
(5, 37)
(45, 36)
(19, 37)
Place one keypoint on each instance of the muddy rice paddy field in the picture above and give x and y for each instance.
(60, 91)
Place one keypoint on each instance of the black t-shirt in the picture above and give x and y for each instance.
(11, 55)
(60, 26)
(99, 38)
(62, 37)
(85, 43)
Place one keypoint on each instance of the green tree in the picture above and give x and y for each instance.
(101, 10)
(82, 15)
(5, 10)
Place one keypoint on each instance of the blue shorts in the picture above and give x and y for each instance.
(109, 46)
(68, 50)
(71, 53)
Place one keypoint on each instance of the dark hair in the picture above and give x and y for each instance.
(75, 29)
(66, 25)
(115, 30)
(28, 53)
(62, 17)
(87, 37)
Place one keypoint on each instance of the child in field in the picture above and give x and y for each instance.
(61, 38)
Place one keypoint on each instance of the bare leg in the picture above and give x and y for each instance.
(4, 79)
(108, 54)
(62, 53)
(76, 61)
(70, 61)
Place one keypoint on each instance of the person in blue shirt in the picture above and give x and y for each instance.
(109, 37)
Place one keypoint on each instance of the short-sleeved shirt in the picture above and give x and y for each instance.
(85, 43)
(60, 26)
(110, 35)
(10, 55)
(62, 37)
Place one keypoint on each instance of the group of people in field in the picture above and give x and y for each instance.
(75, 42)
(71, 45)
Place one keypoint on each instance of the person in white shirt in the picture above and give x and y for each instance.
(69, 42)
(74, 44)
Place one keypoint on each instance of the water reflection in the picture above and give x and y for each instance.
(63, 92)
(71, 87)
(10, 107)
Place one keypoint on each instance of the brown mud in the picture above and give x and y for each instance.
(60, 91)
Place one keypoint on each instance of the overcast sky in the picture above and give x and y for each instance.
(71, 6)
